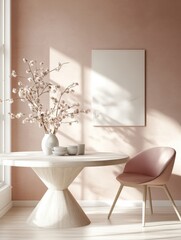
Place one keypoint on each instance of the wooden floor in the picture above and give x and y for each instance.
(124, 224)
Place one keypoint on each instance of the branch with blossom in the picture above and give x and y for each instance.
(59, 110)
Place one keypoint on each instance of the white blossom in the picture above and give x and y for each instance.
(14, 90)
(30, 79)
(60, 111)
(19, 115)
(13, 73)
(31, 62)
(25, 60)
(20, 83)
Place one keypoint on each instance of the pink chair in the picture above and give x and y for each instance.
(150, 168)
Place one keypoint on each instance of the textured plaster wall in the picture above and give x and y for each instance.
(67, 30)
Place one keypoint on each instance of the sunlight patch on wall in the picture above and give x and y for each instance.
(162, 130)
(70, 72)
(165, 128)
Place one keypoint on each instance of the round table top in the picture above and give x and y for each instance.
(38, 159)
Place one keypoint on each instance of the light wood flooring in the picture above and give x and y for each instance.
(124, 224)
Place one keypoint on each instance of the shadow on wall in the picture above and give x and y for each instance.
(129, 140)
(106, 189)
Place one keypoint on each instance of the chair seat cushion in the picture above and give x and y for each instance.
(134, 178)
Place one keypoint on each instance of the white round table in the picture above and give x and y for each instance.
(58, 208)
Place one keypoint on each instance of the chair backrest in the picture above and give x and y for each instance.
(152, 162)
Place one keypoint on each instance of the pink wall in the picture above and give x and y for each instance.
(69, 29)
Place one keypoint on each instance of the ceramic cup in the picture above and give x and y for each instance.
(81, 149)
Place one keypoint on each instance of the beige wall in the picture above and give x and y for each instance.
(67, 30)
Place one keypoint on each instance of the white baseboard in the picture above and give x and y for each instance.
(105, 203)
(101, 205)
(4, 210)
(138, 203)
(5, 199)
(26, 203)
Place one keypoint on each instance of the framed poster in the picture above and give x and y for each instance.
(118, 87)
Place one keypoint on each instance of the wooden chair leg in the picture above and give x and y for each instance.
(115, 200)
(150, 200)
(172, 201)
(144, 205)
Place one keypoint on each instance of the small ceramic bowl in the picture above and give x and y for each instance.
(59, 151)
(59, 148)
(72, 150)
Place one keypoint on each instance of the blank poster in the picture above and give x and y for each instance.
(118, 87)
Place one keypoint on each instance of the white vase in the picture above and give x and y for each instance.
(49, 141)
